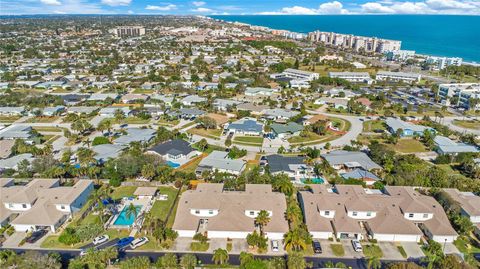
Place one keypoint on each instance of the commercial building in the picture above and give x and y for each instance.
(41, 204)
(398, 76)
(397, 213)
(216, 213)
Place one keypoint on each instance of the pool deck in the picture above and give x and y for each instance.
(145, 203)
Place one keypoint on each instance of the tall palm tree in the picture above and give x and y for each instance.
(293, 214)
(85, 156)
(220, 256)
(294, 240)
(262, 219)
(131, 211)
(284, 185)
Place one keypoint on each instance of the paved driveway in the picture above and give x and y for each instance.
(217, 243)
(412, 249)
(349, 252)
(239, 245)
(390, 251)
(182, 244)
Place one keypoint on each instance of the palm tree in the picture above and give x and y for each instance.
(188, 261)
(220, 256)
(284, 185)
(131, 211)
(87, 142)
(293, 214)
(294, 240)
(296, 261)
(47, 149)
(245, 257)
(109, 254)
(85, 156)
(374, 262)
(262, 219)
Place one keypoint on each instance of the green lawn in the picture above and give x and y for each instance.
(372, 251)
(123, 191)
(48, 129)
(338, 250)
(372, 125)
(192, 165)
(198, 246)
(309, 136)
(249, 140)
(167, 123)
(465, 246)
(9, 119)
(134, 120)
(210, 133)
(469, 124)
(408, 146)
(41, 119)
(160, 209)
(186, 125)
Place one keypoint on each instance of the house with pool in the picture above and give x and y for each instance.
(142, 200)
(175, 152)
(217, 213)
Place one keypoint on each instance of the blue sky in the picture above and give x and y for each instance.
(226, 7)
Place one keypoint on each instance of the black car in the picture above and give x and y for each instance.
(35, 236)
(477, 256)
(317, 248)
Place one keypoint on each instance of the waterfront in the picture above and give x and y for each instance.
(453, 36)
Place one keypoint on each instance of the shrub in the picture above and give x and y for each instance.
(99, 140)
(69, 237)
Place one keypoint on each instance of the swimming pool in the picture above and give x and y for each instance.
(315, 180)
(172, 164)
(122, 219)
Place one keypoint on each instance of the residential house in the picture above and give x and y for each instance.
(398, 213)
(216, 213)
(444, 145)
(12, 111)
(218, 161)
(42, 203)
(225, 104)
(175, 152)
(360, 174)
(280, 114)
(19, 132)
(14, 161)
(406, 128)
(350, 160)
(132, 98)
(292, 166)
(142, 135)
(259, 91)
(104, 152)
(286, 130)
(469, 206)
(110, 111)
(245, 126)
(193, 100)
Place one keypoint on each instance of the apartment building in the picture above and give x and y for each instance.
(398, 213)
(440, 63)
(40, 204)
(217, 213)
(300, 74)
(128, 31)
(357, 43)
(464, 91)
(354, 77)
(398, 76)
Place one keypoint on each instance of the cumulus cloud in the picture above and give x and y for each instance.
(202, 10)
(51, 2)
(334, 7)
(424, 7)
(198, 3)
(161, 8)
(114, 3)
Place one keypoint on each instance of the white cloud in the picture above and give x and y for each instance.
(162, 8)
(198, 3)
(424, 7)
(51, 2)
(334, 7)
(116, 2)
(202, 10)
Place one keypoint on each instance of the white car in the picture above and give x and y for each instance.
(274, 245)
(138, 242)
(100, 239)
(357, 246)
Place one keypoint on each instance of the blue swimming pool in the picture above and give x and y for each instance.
(172, 164)
(122, 219)
(315, 180)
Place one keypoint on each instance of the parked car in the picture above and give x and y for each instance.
(124, 242)
(357, 246)
(274, 245)
(477, 256)
(138, 242)
(35, 236)
(100, 239)
(317, 248)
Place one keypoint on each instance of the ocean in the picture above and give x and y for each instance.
(441, 35)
